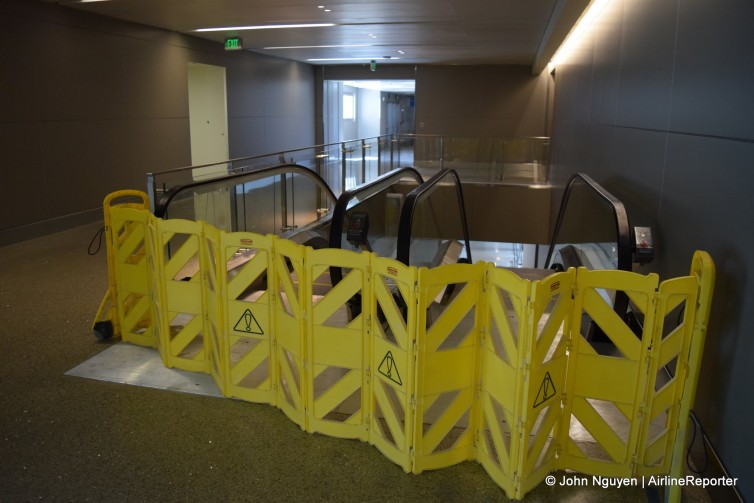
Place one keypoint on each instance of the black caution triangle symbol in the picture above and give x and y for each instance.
(546, 391)
(389, 370)
(248, 324)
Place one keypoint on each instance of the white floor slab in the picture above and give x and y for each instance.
(129, 364)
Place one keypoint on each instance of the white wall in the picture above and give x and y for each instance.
(657, 106)
(368, 117)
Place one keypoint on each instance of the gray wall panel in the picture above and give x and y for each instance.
(17, 99)
(634, 175)
(712, 92)
(716, 216)
(608, 38)
(247, 134)
(93, 104)
(504, 101)
(646, 62)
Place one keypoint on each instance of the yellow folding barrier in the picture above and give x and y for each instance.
(502, 351)
(545, 374)
(214, 268)
(523, 366)
(605, 391)
(129, 292)
(337, 344)
(703, 272)
(432, 367)
(393, 353)
(182, 302)
(450, 308)
(247, 281)
(290, 278)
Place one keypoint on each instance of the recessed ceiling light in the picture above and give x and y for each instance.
(319, 46)
(267, 27)
(349, 59)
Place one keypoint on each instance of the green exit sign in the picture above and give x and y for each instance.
(233, 43)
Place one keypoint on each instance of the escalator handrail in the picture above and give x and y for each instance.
(341, 205)
(161, 207)
(619, 211)
(409, 205)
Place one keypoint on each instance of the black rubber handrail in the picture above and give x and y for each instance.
(341, 206)
(409, 206)
(623, 230)
(161, 207)
(623, 239)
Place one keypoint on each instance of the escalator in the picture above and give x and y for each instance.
(282, 200)
(294, 203)
(401, 216)
(593, 230)
(433, 229)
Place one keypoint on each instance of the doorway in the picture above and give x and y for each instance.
(208, 124)
(367, 108)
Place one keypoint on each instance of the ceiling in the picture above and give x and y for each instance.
(519, 32)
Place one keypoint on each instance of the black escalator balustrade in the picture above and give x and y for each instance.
(433, 230)
(366, 218)
(271, 200)
(592, 230)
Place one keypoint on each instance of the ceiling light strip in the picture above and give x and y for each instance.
(351, 59)
(319, 46)
(267, 27)
(577, 33)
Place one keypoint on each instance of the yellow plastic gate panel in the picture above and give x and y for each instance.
(447, 381)
(551, 306)
(703, 272)
(392, 368)
(290, 329)
(247, 342)
(337, 357)
(157, 290)
(606, 391)
(215, 308)
(545, 366)
(179, 262)
(127, 254)
(503, 349)
(676, 299)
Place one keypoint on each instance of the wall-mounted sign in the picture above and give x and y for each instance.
(233, 43)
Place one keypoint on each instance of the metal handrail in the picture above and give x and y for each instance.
(409, 205)
(260, 156)
(341, 206)
(623, 230)
(161, 207)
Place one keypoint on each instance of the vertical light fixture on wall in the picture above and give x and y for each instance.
(591, 13)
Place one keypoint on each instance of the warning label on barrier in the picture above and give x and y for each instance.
(546, 391)
(388, 369)
(248, 324)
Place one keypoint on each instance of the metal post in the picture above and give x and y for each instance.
(151, 189)
(363, 161)
(283, 203)
(442, 153)
(343, 167)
